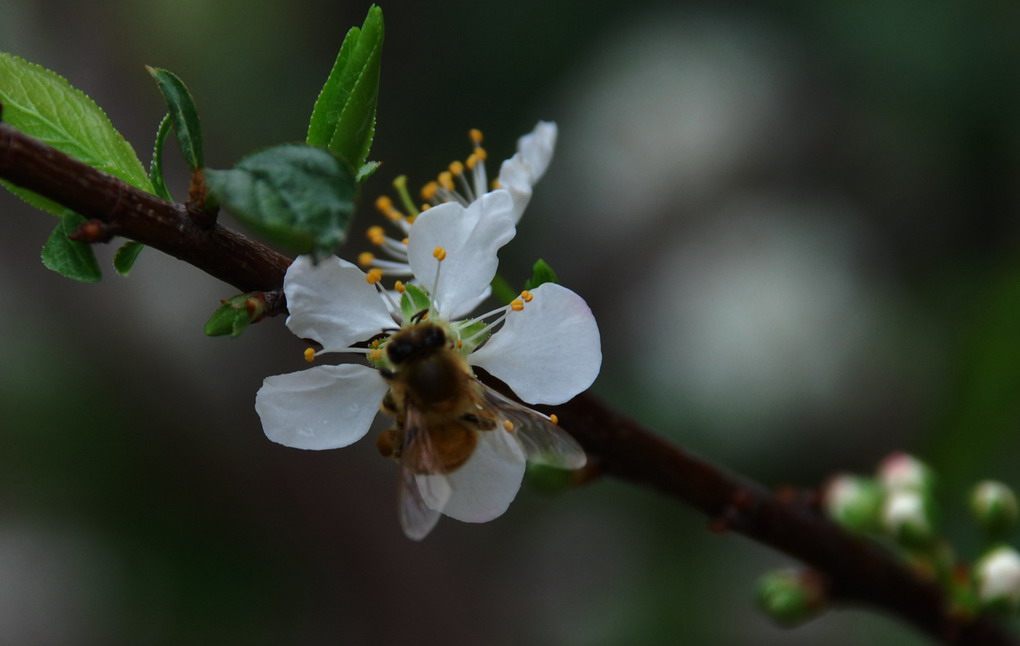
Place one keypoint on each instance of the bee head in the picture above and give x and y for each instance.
(421, 339)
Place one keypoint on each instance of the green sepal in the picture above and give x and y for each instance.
(548, 479)
(183, 114)
(297, 195)
(343, 118)
(124, 258)
(468, 335)
(235, 314)
(42, 104)
(541, 273)
(367, 170)
(68, 257)
(156, 165)
(413, 300)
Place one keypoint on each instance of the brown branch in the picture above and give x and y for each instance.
(854, 569)
(129, 212)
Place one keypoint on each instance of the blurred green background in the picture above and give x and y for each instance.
(796, 223)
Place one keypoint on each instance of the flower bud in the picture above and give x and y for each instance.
(791, 597)
(994, 506)
(853, 502)
(902, 471)
(997, 574)
(908, 517)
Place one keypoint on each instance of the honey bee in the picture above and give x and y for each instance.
(441, 412)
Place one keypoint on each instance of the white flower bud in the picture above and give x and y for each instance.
(902, 471)
(998, 578)
(907, 517)
(994, 505)
(853, 502)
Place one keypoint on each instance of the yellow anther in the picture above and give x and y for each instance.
(366, 258)
(374, 344)
(411, 219)
(399, 286)
(426, 207)
(472, 161)
(517, 305)
(476, 135)
(375, 355)
(376, 235)
(428, 192)
(309, 354)
(445, 180)
(554, 419)
(439, 254)
(457, 168)
(508, 425)
(527, 296)
(393, 214)
(373, 276)
(494, 184)
(405, 241)
(460, 344)
(383, 203)
(480, 152)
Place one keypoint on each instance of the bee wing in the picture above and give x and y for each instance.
(543, 441)
(421, 497)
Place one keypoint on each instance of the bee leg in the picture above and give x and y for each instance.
(389, 405)
(387, 443)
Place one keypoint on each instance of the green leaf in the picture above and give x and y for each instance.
(343, 118)
(156, 165)
(541, 273)
(413, 300)
(235, 314)
(183, 114)
(299, 196)
(69, 257)
(126, 255)
(44, 105)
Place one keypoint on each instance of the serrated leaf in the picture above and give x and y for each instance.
(44, 105)
(69, 257)
(541, 273)
(156, 165)
(126, 255)
(183, 114)
(343, 118)
(299, 196)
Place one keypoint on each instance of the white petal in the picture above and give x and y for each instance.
(333, 303)
(324, 407)
(469, 306)
(520, 173)
(549, 351)
(471, 237)
(537, 148)
(488, 482)
(515, 177)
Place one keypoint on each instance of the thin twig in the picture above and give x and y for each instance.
(855, 570)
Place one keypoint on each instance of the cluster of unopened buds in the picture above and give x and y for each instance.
(461, 445)
(897, 506)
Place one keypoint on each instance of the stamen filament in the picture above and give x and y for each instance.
(400, 183)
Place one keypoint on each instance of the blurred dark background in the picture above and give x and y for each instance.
(796, 223)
